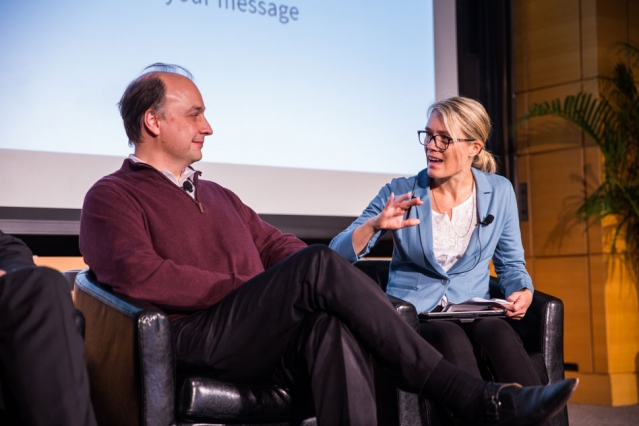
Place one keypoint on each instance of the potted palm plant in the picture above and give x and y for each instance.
(611, 119)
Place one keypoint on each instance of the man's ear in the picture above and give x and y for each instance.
(151, 122)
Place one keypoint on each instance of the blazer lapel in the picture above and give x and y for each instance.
(484, 194)
(424, 214)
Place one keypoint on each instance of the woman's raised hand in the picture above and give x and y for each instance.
(392, 217)
(394, 213)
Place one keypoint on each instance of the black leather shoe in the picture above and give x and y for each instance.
(513, 405)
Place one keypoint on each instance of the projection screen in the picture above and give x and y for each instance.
(314, 104)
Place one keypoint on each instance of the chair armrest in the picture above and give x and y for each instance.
(406, 310)
(546, 316)
(376, 270)
(129, 355)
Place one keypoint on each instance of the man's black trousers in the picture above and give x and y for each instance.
(42, 371)
(313, 318)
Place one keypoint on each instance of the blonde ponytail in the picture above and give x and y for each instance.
(485, 161)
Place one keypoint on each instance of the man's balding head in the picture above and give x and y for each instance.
(147, 92)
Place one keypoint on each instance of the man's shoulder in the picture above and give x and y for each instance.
(128, 182)
(118, 178)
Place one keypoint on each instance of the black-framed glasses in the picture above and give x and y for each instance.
(441, 142)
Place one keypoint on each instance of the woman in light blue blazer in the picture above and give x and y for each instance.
(448, 222)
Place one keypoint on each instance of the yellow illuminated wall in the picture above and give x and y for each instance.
(560, 48)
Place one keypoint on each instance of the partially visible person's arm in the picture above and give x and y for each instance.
(14, 254)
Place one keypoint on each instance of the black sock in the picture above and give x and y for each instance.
(462, 393)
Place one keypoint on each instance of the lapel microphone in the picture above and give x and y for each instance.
(188, 187)
(489, 219)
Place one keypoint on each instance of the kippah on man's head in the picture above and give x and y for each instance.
(168, 68)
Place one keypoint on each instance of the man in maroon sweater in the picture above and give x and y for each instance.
(249, 301)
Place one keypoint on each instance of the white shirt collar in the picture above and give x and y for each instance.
(187, 173)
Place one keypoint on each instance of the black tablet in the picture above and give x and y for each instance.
(468, 316)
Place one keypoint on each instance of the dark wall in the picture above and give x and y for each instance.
(484, 55)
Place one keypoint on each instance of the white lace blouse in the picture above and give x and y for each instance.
(452, 236)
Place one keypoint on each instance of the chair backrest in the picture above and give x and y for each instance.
(376, 269)
(129, 355)
(70, 277)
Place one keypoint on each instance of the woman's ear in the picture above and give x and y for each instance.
(476, 148)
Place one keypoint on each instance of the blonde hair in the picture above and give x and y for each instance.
(468, 116)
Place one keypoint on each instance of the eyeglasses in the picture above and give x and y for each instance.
(441, 142)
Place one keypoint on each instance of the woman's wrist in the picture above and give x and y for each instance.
(372, 225)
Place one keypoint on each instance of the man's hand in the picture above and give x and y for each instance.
(2, 272)
(392, 217)
(521, 301)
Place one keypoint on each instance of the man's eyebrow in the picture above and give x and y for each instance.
(196, 108)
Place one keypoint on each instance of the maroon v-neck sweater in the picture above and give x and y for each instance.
(148, 239)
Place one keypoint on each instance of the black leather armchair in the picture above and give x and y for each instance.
(135, 379)
(541, 330)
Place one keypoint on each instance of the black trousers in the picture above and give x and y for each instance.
(313, 318)
(42, 372)
(488, 345)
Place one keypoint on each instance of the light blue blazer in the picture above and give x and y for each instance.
(415, 275)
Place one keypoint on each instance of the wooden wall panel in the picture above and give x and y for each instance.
(567, 279)
(521, 136)
(552, 43)
(563, 47)
(551, 133)
(590, 86)
(592, 173)
(597, 276)
(593, 389)
(589, 51)
(633, 19)
(612, 29)
(60, 263)
(556, 191)
(530, 267)
(523, 176)
(624, 389)
(622, 315)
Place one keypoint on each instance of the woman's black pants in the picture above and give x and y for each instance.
(488, 346)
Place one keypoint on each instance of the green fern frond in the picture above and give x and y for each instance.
(584, 110)
(612, 121)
